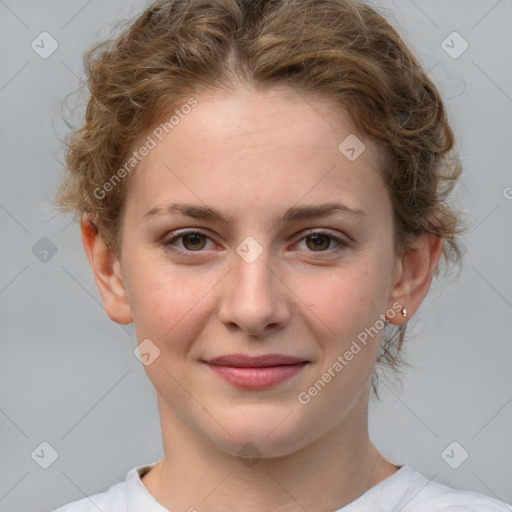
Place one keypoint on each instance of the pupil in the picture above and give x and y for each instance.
(318, 240)
(195, 238)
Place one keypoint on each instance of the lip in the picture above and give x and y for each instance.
(243, 361)
(257, 372)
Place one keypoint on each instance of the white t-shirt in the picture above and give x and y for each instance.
(404, 491)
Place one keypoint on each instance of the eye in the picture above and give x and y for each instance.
(195, 241)
(319, 241)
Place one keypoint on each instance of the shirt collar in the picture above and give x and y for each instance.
(138, 498)
(136, 495)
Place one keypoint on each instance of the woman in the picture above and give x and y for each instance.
(262, 189)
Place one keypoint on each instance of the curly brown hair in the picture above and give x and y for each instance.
(340, 50)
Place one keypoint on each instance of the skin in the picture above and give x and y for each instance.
(252, 155)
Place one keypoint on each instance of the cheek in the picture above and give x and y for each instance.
(343, 299)
(343, 309)
(169, 302)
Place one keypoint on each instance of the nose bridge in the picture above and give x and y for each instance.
(254, 297)
(252, 277)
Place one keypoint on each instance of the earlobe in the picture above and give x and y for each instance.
(416, 270)
(107, 274)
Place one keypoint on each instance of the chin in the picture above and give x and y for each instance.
(263, 435)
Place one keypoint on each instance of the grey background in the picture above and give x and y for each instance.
(68, 375)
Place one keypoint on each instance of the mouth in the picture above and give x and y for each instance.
(258, 372)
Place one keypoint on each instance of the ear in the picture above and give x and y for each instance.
(413, 275)
(107, 273)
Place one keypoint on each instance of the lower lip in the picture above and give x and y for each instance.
(257, 378)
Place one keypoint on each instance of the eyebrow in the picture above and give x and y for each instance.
(293, 214)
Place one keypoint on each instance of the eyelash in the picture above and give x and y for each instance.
(168, 243)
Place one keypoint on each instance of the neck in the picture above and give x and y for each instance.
(325, 475)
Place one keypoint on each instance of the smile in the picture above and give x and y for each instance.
(256, 372)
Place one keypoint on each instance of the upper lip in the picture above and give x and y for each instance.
(243, 361)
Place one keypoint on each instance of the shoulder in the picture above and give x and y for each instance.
(430, 496)
(111, 500)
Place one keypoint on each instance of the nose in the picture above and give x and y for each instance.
(254, 298)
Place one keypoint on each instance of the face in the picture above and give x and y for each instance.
(264, 275)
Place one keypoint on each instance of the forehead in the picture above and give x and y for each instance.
(262, 114)
(276, 143)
